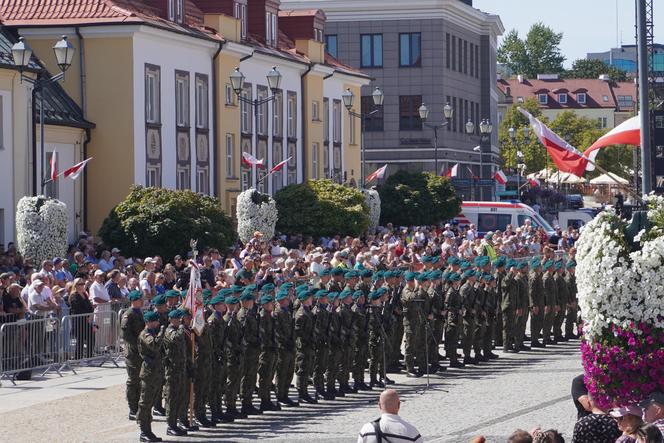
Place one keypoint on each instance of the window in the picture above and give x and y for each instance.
(292, 114)
(581, 98)
(152, 95)
(183, 177)
(410, 53)
(261, 111)
(277, 114)
(202, 101)
(153, 176)
(472, 60)
(229, 95)
(374, 122)
(318, 35)
(477, 61)
(602, 122)
(176, 10)
(562, 99)
(315, 116)
(292, 164)
(465, 57)
(331, 45)
(543, 99)
(605, 98)
(314, 160)
(245, 111)
(372, 50)
(230, 155)
(241, 14)
(202, 181)
(492, 222)
(326, 119)
(326, 162)
(625, 101)
(182, 99)
(460, 65)
(409, 116)
(452, 50)
(271, 28)
(336, 121)
(447, 50)
(519, 99)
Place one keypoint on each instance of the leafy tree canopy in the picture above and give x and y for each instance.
(585, 68)
(538, 53)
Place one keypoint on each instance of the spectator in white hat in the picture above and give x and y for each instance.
(629, 420)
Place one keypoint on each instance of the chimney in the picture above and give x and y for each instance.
(508, 91)
(264, 20)
(307, 29)
(520, 78)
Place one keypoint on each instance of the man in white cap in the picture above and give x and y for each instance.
(102, 303)
(40, 302)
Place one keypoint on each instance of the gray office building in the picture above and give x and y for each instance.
(419, 51)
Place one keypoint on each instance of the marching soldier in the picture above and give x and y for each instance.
(454, 307)
(536, 293)
(150, 350)
(508, 306)
(248, 318)
(203, 361)
(304, 342)
(360, 340)
(393, 320)
(336, 284)
(572, 303)
(190, 372)
(334, 364)
(550, 301)
(321, 315)
(377, 339)
(562, 300)
(172, 299)
(285, 338)
(132, 324)
(437, 294)
(234, 348)
(348, 337)
(490, 309)
(175, 362)
(412, 301)
(217, 328)
(499, 275)
(522, 306)
(268, 355)
(480, 328)
(468, 295)
(161, 309)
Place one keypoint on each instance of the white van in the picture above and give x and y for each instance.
(493, 216)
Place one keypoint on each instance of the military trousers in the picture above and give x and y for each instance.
(479, 333)
(376, 357)
(249, 374)
(201, 385)
(415, 342)
(266, 366)
(468, 336)
(151, 384)
(322, 355)
(345, 362)
(360, 353)
(285, 367)
(570, 320)
(558, 323)
(452, 335)
(498, 329)
(173, 379)
(184, 394)
(520, 328)
(548, 324)
(304, 360)
(133, 364)
(334, 367)
(234, 363)
(509, 317)
(396, 338)
(487, 340)
(536, 324)
(217, 385)
(433, 341)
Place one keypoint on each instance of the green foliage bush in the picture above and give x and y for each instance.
(156, 221)
(321, 208)
(419, 198)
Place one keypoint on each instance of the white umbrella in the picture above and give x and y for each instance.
(608, 179)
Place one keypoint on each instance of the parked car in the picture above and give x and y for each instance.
(575, 201)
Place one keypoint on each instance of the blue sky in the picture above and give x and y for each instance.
(587, 25)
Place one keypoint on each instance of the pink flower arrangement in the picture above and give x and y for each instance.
(624, 365)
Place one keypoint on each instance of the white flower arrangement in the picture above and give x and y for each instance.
(615, 286)
(372, 199)
(41, 228)
(256, 212)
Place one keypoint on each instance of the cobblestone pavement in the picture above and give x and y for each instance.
(516, 391)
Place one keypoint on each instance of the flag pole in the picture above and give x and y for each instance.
(194, 253)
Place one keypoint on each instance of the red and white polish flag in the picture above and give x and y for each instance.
(249, 160)
(378, 173)
(534, 182)
(279, 166)
(76, 170)
(54, 166)
(626, 133)
(453, 171)
(500, 176)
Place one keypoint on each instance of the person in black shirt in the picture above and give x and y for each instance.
(597, 427)
(12, 304)
(580, 397)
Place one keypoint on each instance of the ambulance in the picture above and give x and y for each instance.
(495, 216)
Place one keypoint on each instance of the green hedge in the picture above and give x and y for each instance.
(419, 198)
(156, 221)
(321, 207)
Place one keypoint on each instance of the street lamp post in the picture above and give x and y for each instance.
(486, 127)
(348, 98)
(448, 111)
(237, 83)
(64, 54)
(520, 165)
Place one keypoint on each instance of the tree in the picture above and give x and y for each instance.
(539, 53)
(533, 151)
(156, 221)
(419, 198)
(578, 131)
(321, 208)
(585, 68)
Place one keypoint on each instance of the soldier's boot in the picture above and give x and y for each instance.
(184, 424)
(375, 382)
(456, 364)
(359, 385)
(132, 415)
(204, 422)
(174, 430)
(331, 390)
(286, 401)
(303, 394)
(147, 435)
(234, 413)
(250, 409)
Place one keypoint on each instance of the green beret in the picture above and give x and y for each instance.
(150, 316)
(558, 265)
(382, 274)
(134, 295)
(424, 276)
(366, 274)
(511, 263)
(468, 273)
(522, 265)
(338, 271)
(281, 295)
(435, 275)
(225, 292)
(216, 300)
(159, 300)
(232, 300)
(324, 272)
(453, 261)
(482, 260)
(247, 295)
(380, 291)
(206, 296)
(286, 285)
(176, 313)
(301, 288)
(453, 276)
(499, 262)
(345, 293)
(570, 264)
(332, 295)
(172, 293)
(547, 264)
(373, 295)
(357, 294)
(410, 276)
(303, 295)
(465, 264)
(350, 274)
(435, 260)
(426, 259)
(489, 236)
(237, 289)
(265, 299)
(535, 262)
(320, 294)
(487, 277)
(242, 273)
(268, 287)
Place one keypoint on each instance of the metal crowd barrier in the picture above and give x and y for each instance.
(91, 339)
(29, 345)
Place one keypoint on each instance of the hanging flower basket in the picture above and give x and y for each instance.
(41, 228)
(373, 203)
(621, 297)
(256, 212)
